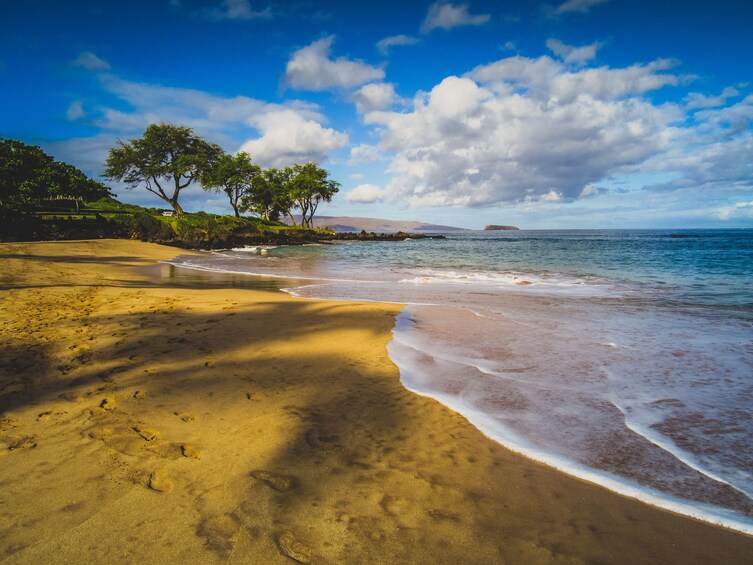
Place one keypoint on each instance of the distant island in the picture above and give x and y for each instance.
(492, 227)
(350, 224)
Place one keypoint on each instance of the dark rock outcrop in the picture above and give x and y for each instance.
(492, 227)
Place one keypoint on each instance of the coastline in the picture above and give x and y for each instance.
(309, 446)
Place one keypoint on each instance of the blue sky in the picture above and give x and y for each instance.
(566, 114)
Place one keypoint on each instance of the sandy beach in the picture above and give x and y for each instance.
(147, 421)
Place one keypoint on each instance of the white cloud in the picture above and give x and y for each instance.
(90, 62)
(375, 96)
(237, 10)
(310, 68)
(447, 16)
(289, 133)
(288, 138)
(524, 130)
(547, 79)
(364, 153)
(571, 54)
(733, 119)
(696, 100)
(75, 111)
(738, 210)
(365, 194)
(208, 114)
(385, 44)
(581, 6)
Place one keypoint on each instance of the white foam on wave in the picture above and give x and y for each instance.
(670, 447)
(256, 249)
(529, 282)
(207, 268)
(275, 275)
(406, 352)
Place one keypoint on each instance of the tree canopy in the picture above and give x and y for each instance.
(168, 158)
(28, 174)
(271, 196)
(309, 186)
(167, 155)
(237, 176)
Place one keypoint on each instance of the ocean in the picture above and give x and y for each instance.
(624, 357)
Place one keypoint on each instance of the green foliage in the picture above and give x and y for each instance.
(270, 196)
(165, 155)
(109, 204)
(28, 175)
(309, 186)
(168, 158)
(236, 175)
(142, 225)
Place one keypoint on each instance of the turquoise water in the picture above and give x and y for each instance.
(623, 357)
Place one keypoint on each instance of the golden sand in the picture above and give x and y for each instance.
(143, 422)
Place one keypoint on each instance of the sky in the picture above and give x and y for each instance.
(545, 115)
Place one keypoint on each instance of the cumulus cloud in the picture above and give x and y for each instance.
(275, 134)
(546, 79)
(90, 62)
(579, 6)
(364, 153)
(738, 210)
(310, 68)
(387, 43)
(524, 130)
(288, 138)
(570, 54)
(444, 15)
(208, 114)
(237, 10)
(75, 111)
(375, 96)
(365, 194)
(696, 100)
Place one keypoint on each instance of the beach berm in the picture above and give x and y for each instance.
(145, 420)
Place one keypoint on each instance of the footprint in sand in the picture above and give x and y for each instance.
(185, 416)
(108, 403)
(23, 442)
(149, 434)
(280, 483)
(161, 481)
(190, 451)
(139, 395)
(220, 532)
(289, 546)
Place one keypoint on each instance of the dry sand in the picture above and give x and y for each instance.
(146, 423)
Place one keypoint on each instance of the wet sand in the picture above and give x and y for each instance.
(150, 421)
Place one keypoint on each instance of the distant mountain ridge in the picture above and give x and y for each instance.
(354, 224)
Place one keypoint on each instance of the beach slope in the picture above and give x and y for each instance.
(146, 420)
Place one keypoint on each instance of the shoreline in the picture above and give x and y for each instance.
(311, 448)
(703, 512)
(706, 513)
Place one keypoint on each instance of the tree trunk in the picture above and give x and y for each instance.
(176, 207)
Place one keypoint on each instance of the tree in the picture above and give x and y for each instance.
(236, 175)
(66, 181)
(28, 174)
(311, 185)
(22, 171)
(167, 154)
(270, 195)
